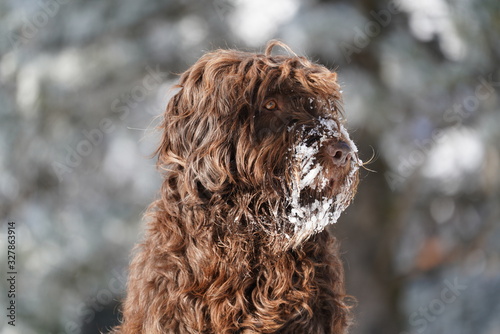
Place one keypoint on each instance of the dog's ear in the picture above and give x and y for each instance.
(196, 148)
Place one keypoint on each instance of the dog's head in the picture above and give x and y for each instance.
(260, 137)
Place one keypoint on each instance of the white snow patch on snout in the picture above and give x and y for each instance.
(312, 218)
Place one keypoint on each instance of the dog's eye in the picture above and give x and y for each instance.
(271, 105)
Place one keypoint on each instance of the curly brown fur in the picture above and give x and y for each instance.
(236, 243)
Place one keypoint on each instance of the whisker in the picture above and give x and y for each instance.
(373, 158)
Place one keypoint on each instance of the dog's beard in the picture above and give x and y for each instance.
(318, 192)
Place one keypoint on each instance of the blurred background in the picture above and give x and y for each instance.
(82, 84)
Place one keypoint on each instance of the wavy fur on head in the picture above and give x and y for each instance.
(253, 173)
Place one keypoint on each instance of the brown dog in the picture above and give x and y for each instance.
(256, 163)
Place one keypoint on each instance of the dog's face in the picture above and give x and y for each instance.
(262, 138)
(314, 158)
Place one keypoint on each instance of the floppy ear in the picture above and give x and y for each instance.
(208, 165)
(197, 145)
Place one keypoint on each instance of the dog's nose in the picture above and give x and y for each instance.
(340, 152)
